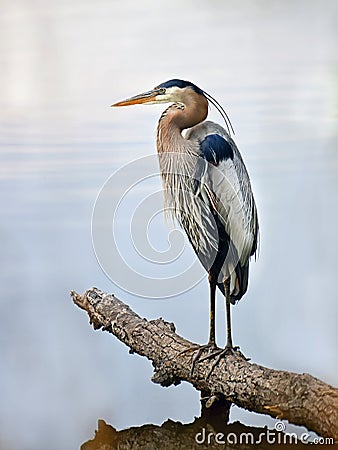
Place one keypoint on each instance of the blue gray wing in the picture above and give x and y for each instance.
(225, 186)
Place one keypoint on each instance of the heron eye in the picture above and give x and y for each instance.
(162, 91)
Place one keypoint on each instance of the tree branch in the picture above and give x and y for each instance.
(299, 398)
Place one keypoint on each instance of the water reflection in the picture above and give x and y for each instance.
(198, 434)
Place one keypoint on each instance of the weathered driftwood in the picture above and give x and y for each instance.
(299, 398)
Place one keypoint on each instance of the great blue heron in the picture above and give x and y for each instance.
(207, 187)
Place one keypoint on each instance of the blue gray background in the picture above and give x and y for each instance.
(274, 66)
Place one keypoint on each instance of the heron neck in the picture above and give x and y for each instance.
(169, 136)
(173, 121)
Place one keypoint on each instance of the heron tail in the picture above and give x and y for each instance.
(242, 278)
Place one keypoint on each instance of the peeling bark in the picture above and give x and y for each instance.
(299, 398)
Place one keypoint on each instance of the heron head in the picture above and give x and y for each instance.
(170, 91)
(177, 91)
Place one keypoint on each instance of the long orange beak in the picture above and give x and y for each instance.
(146, 97)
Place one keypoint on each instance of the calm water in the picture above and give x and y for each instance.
(274, 66)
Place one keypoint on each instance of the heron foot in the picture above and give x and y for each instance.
(213, 352)
(228, 350)
(211, 348)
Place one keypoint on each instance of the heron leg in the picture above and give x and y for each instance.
(228, 313)
(212, 338)
(229, 348)
(211, 345)
(213, 351)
